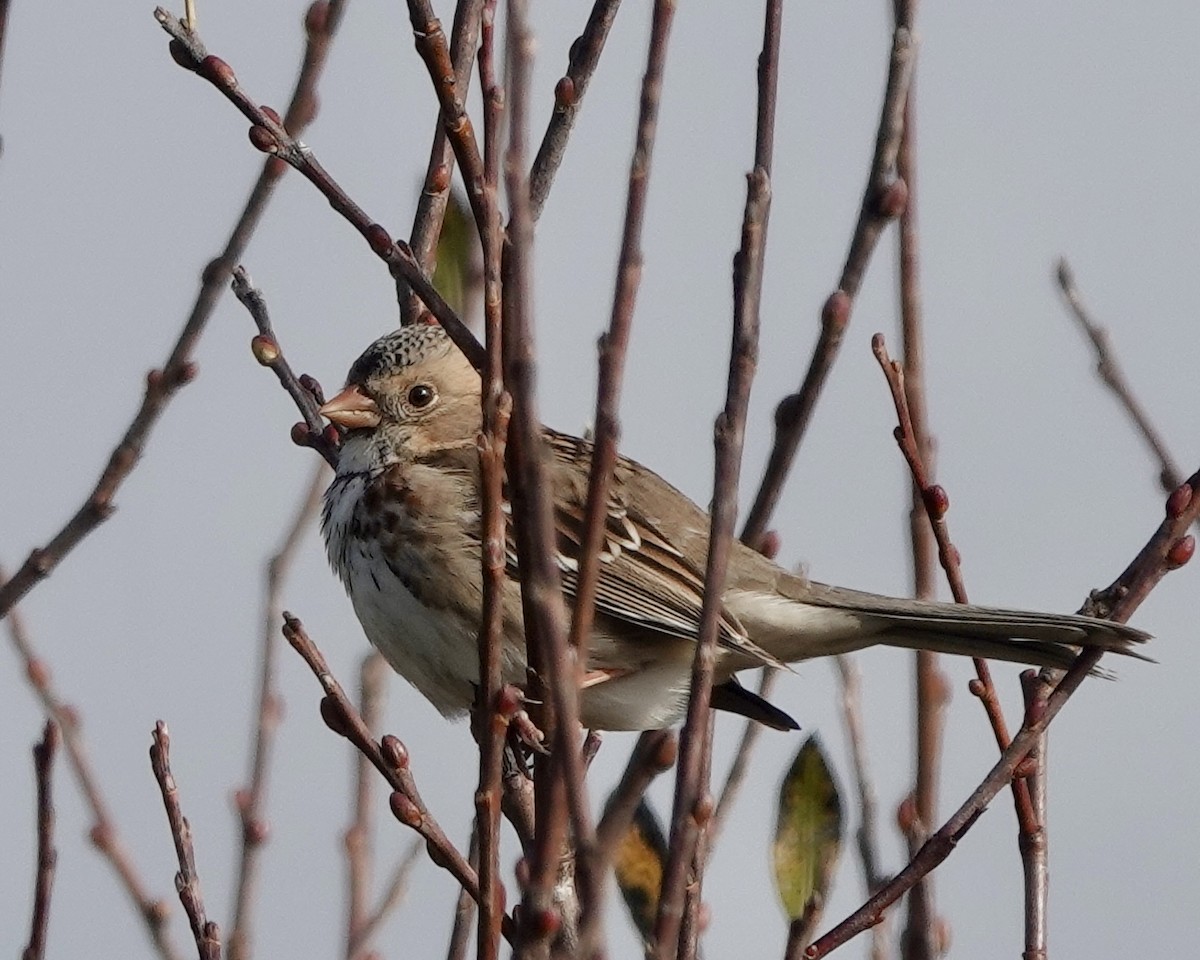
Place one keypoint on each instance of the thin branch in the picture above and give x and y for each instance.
(47, 855)
(393, 896)
(435, 193)
(852, 719)
(568, 99)
(103, 833)
(741, 761)
(882, 200)
(1035, 846)
(269, 135)
(693, 806)
(4, 5)
(161, 385)
(464, 911)
(654, 753)
(314, 432)
(559, 787)
(187, 881)
(490, 719)
(372, 690)
(613, 347)
(390, 758)
(936, 504)
(1169, 476)
(250, 800)
(1168, 548)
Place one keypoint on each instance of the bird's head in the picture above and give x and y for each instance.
(411, 392)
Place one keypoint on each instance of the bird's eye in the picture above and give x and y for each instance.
(422, 395)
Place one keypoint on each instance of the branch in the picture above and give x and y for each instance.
(1168, 548)
(1169, 476)
(268, 134)
(883, 199)
(693, 806)
(161, 385)
(187, 880)
(613, 347)
(372, 686)
(568, 99)
(304, 391)
(392, 897)
(390, 758)
(47, 855)
(103, 833)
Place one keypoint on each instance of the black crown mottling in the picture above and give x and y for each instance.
(397, 350)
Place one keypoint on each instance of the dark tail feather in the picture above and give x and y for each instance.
(735, 698)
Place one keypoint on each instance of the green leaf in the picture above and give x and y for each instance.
(458, 275)
(638, 862)
(808, 832)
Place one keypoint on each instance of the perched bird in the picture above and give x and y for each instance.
(401, 523)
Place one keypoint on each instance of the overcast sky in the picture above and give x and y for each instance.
(1044, 129)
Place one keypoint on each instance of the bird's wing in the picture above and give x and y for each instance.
(644, 578)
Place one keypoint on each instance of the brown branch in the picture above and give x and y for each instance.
(882, 200)
(1168, 548)
(741, 762)
(4, 6)
(464, 911)
(372, 690)
(654, 753)
(187, 881)
(1109, 370)
(435, 192)
(852, 719)
(250, 800)
(47, 855)
(444, 73)
(1035, 847)
(393, 896)
(936, 503)
(613, 347)
(390, 758)
(304, 391)
(268, 134)
(103, 833)
(568, 99)
(559, 779)
(490, 719)
(693, 806)
(162, 384)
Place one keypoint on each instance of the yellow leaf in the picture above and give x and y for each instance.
(808, 831)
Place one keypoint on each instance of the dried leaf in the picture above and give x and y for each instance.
(808, 832)
(638, 863)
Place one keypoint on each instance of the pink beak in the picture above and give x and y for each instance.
(352, 409)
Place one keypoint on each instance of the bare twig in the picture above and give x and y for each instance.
(568, 99)
(613, 347)
(161, 385)
(314, 432)
(464, 911)
(250, 800)
(47, 856)
(741, 761)
(693, 806)
(868, 853)
(491, 723)
(187, 880)
(372, 688)
(558, 783)
(390, 758)
(4, 5)
(883, 199)
(393, 895)
(1168, 548)
(104, 834)
(653, 754)
(1035, 846)
(435, 193)
(1169, 476)
(269, 135)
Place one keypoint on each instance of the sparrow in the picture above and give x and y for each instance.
(401, 522)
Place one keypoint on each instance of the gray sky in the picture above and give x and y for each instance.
(1044, 129)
